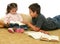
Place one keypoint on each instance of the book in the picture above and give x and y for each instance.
(20, 23)
(42, 36)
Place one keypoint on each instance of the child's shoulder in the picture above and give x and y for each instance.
(8, 15)
(19, 14)
(41, 15)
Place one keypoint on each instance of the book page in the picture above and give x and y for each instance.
(20, 23)
(39, 35)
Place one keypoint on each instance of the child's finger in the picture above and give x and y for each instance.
(44, 31)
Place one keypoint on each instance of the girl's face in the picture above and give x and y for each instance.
(13, 10)
(33, 14)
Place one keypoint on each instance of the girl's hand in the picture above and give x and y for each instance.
(8, 23)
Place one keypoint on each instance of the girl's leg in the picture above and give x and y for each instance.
(10, 29)
(24, 27)
(16, 25)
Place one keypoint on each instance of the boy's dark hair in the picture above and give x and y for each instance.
(10, 6)
(35, 7)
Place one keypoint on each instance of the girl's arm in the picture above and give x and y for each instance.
(7, 19)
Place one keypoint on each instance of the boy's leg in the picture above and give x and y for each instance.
(57, 20)
(50, 24)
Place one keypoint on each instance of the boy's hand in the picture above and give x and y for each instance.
(44, 31)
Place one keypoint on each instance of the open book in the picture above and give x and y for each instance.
(42, 36)
(20, 23)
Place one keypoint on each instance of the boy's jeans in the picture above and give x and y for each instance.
(56, 19)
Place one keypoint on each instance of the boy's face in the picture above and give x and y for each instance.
(33, 14)
(13, 10)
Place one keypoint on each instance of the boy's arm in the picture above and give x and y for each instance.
(31, 25)
(35, 28)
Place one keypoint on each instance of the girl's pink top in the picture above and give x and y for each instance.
(12, 17)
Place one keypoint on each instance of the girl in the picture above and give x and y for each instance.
(11, 15)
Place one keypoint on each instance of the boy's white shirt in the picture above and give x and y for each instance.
(39, 35)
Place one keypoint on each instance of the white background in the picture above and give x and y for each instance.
(49, 8)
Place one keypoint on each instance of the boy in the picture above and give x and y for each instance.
(39, 22)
